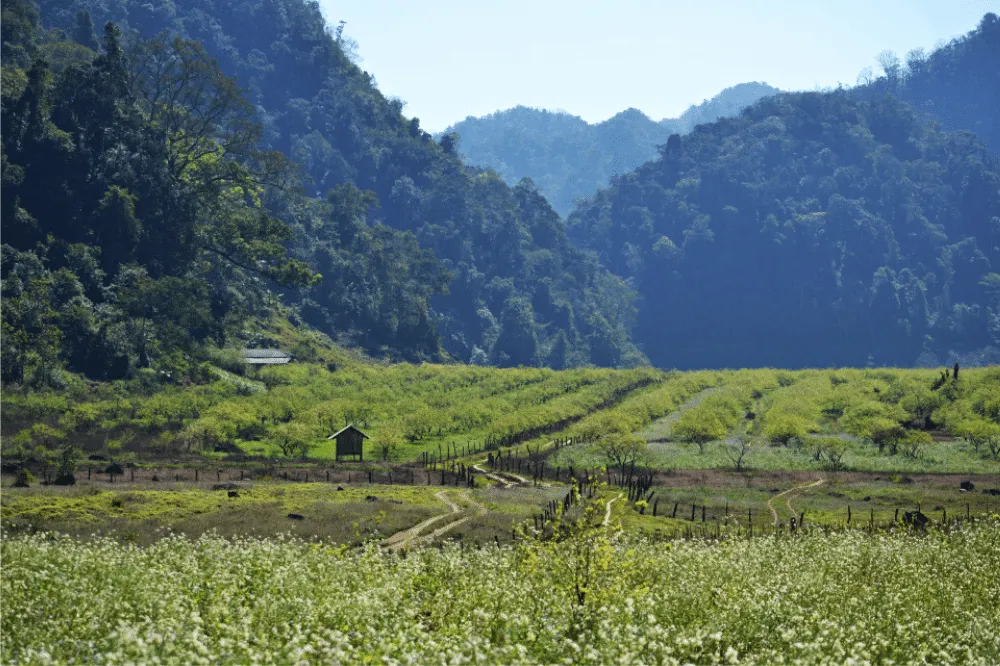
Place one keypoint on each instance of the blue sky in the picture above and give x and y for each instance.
(448, 59)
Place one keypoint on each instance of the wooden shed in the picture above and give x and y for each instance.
(350, 442)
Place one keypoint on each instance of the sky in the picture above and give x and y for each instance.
(449, 59)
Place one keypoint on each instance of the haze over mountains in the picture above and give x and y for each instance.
(570, 159)
(810, 229)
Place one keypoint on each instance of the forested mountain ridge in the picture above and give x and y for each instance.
(570, 159)
(815, 229)
(418, 256)
(957, 84)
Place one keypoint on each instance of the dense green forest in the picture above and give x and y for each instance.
(956, 84)
(814, 229)
(568, 158)
(153, 204)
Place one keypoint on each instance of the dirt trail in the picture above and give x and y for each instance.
(792, 492)
(480, 510)
(662, 425)
(505, 479)
(404, 537)
(607, 510)
(413, 536)
(506, 483)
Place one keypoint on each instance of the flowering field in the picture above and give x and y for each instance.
(597, 597)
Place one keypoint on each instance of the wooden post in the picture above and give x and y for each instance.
(692, 513)
(848, 514)
(196, 474)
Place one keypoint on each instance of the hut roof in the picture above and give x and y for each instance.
(266, 356)
(350, 427)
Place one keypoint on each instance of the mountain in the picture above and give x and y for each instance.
(418, 256)
(958, 84)
(570, 159)
(814, 229)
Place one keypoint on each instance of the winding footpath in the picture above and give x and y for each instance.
(789, 494)
(607, 510)
(405, 537)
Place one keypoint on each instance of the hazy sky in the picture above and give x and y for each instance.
(448, 59)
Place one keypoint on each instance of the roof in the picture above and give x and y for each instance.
(266, 356)
(350, 427)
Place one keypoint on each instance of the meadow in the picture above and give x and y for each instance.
(504, 516)
(596, 597)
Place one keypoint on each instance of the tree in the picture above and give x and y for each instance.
(783, 428)
(294, 439)
(621, 449)
(890, 64)
(389, 438)
(884, 433)
(83, 31)
(921, 403)
(979, 433)
(698, 427)
(738, 449)
(517, 343)
(913, 443)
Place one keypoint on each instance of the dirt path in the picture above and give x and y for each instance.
(506, 483)
(413, 536)
(792, 492)
(403, 538)
(659, 430)
(480, 510)
(505, 479)
(607, 510)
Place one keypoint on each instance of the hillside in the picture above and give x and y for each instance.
(958, 84)
(418, 257)
(814, 229)
(570, 159)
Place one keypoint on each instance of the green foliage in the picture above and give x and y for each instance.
(158, 249)
(424, 274)
(699, 428)
(760, 203)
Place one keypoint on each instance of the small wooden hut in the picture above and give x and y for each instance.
(350, 442)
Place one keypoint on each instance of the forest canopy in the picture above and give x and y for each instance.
(239, 153)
